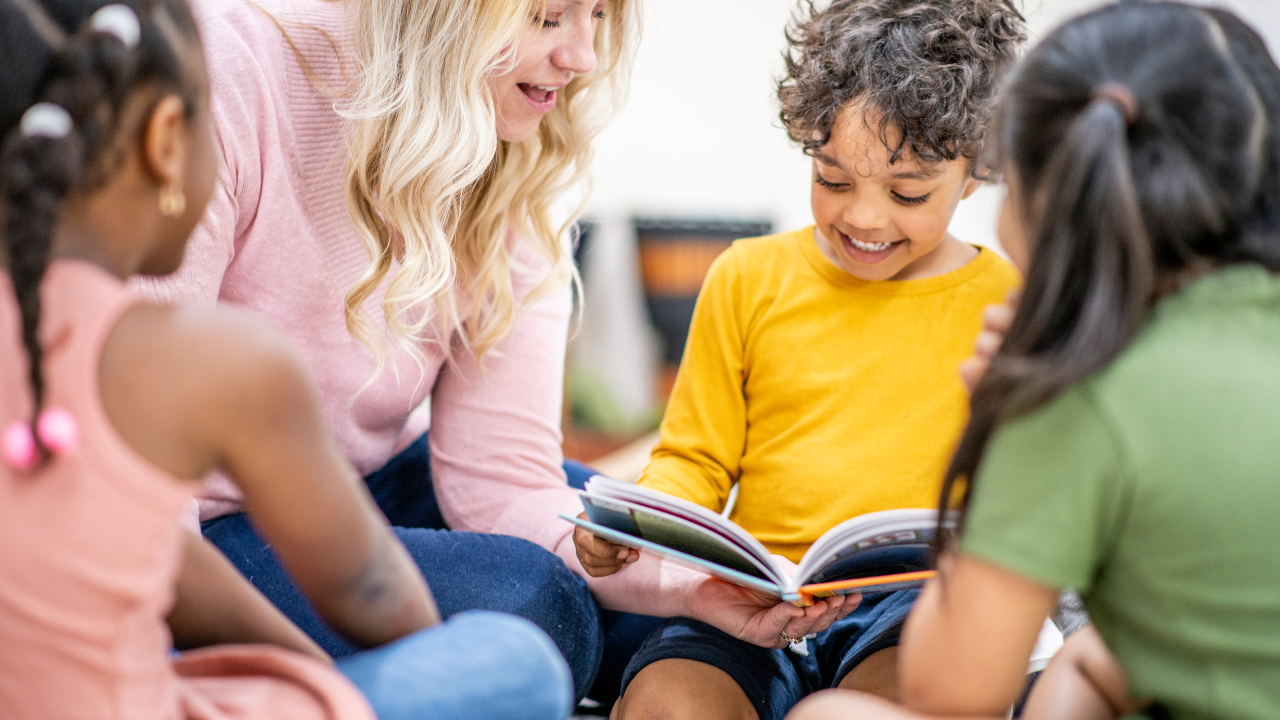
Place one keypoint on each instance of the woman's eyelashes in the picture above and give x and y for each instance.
(552, 20)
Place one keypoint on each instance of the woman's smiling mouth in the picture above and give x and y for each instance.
(541, 97)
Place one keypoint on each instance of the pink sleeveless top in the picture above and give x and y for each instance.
(90, 551)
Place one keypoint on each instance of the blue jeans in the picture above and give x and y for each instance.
(478, 665)
(624, 633)
(466, 571)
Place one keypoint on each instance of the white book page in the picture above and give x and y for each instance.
(864, 528)
(601, 486)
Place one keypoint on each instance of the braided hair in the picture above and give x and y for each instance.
(50, 53)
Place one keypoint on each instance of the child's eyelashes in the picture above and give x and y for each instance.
(599, 14)
(922, 199)
(899, 198)
(828, 184)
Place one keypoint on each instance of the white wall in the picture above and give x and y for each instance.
(700, 134)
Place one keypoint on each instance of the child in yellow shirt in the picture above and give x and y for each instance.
(821, 371)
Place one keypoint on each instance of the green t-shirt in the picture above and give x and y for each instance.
(1154, 488)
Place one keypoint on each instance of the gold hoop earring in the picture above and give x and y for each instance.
(172, 201)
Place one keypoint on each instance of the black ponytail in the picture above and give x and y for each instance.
(1121, 201)
(54, 57)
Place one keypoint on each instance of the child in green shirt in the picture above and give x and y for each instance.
(1123, 439)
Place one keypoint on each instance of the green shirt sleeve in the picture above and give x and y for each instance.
(1050, 493)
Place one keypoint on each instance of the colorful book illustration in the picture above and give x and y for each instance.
(877, 552)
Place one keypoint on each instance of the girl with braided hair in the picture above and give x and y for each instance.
(111, 410)
(1122, 439)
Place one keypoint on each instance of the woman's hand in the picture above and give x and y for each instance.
(599, 557)
(761, 619)
(996, 321)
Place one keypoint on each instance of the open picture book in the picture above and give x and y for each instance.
(877, 552)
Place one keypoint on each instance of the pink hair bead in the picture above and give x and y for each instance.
(19, 446)
(58, 430)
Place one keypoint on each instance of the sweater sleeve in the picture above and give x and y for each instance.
(495, 434)
(497, 465)
(704, 430)
(240, 109)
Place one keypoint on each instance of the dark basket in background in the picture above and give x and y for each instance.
(675, 255)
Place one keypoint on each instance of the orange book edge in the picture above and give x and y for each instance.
(821, 590)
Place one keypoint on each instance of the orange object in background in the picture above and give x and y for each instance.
(675, 256)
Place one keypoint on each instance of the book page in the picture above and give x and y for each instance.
(602, 487)
(879, 543)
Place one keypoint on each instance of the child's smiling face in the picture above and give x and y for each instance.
(883, 221)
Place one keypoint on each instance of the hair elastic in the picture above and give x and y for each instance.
(58, 432)
(45, 119)
(1122, 97)
(18, 444)
(120, 21)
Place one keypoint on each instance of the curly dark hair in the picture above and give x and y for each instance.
(932, 67)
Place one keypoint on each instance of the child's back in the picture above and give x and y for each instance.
(1152, 488)
(90, 549)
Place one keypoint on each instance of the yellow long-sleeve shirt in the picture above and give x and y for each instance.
(823, 395)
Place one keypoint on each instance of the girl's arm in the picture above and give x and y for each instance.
(194, 389)
(214, 604)
(1084, 681)
(963, 652)
(965, 647)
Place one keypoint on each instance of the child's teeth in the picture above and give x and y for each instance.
(869, 247)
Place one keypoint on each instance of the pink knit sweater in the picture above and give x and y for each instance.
(277, 241)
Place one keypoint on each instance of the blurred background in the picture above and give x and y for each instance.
(696, 159)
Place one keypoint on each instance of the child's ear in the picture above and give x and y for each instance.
(979, 174)
(164, 142)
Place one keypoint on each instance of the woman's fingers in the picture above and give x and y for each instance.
(822, 615)
(816, 618)
(851, 603)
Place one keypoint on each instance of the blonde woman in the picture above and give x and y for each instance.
(386, 199)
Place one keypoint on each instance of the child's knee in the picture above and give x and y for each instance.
(674, 688)
(878, 675)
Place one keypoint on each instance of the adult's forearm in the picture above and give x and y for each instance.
(649, 586)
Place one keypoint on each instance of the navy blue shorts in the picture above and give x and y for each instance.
(775, 680)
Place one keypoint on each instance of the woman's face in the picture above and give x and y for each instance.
(546, 61)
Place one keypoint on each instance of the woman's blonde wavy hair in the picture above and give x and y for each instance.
(432, 190)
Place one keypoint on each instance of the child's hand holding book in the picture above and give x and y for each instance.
(599, 557)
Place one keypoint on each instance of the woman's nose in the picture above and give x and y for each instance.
(577, 53)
